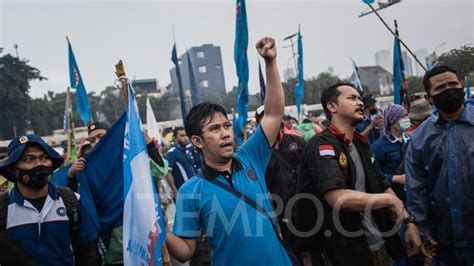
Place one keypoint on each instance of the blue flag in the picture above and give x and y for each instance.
(428, 64)
(368, 1)
(83, 107)
(261, 80)
(242, 67)
(174, 58)
(357, 82)
(66, 115)
(398, 70)
(101, 182)
(300, 85)
(468, 88)
(192, 80)
(143, 223)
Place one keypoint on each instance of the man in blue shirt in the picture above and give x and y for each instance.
(184, 161)
(237, 232)
(389, 149)
(440, 171)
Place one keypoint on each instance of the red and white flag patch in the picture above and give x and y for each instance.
(326, 150)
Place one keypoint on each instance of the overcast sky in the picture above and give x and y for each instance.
(140, 33)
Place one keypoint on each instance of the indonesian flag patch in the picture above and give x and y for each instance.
(326, 150)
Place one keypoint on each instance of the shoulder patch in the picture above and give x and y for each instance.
(326, 150)
(251, 173)
(293, 146)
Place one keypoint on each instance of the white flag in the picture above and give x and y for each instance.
(151, 125)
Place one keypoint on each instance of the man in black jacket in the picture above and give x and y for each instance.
(358, 205)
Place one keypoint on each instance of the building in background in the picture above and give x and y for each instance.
(422, 55)
(377, 80)
(408, 64)
(206, 61)
(383, 58)
(288, 73)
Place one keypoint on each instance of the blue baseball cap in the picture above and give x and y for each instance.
(18, 145)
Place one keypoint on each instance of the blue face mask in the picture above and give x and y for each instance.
(404, 124)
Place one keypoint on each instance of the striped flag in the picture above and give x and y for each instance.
(143, 224)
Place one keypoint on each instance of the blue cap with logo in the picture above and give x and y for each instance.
(18, 145)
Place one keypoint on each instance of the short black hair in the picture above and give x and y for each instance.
(331, 93)
(199, 115)
(436, 71)
(176, 129)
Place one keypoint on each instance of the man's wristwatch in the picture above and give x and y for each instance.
(410, 219)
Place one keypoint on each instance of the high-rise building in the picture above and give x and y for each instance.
(383, 58)
(408, 64)
(206, 63)
(421, 54)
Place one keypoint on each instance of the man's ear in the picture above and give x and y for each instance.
(197, 142)
(331, 107)
(429, 98)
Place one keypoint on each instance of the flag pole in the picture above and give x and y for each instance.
(120, 72)
(393, 33)
(68, 132)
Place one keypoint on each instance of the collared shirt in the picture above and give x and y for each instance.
(374, 134)
(238, 234)
(327, 165)
(184, 163)
(440, 178)
(388, 152)
(45, 234)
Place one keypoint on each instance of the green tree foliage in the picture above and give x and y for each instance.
(15, 77)
(461, 59)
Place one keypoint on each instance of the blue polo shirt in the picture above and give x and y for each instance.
(184, 163)
(238, 234)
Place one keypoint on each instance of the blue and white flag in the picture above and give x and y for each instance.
(300, 85)
(143, 224)
(83, 107)
(242, 67)
(357, 82)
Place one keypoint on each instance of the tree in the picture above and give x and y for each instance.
(462, 60)
(15, 78)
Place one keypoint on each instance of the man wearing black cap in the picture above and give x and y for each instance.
(96, 131)
(369, 127)
(41, 217)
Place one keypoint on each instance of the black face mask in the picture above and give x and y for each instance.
(36, 177)
(450, 100)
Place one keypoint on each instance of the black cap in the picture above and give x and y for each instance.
(368, 100)
(96, 125)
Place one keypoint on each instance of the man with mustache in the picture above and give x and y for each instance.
(239, 233)
(338, 168)
(440, 171)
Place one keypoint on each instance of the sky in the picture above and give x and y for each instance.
(141, 34)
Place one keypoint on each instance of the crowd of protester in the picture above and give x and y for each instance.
(358, 184)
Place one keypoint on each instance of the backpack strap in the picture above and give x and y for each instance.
(72, 206)
(3, 211)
